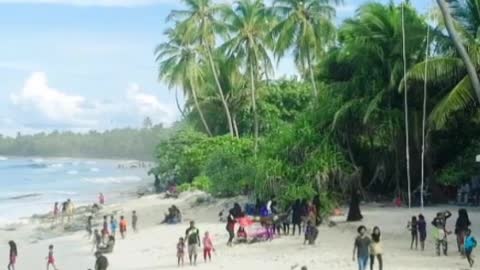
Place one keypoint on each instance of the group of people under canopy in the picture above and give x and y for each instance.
(173, 216)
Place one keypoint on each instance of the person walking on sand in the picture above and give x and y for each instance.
(207, 247)
(422, 231)
(50, 258)
(101, 199)
(231, 227)
(469, 244)
(89, 227)
(134, 221)
(113, 225)
(12, 255)
(461, 227)
(440, 232)
(193, 240)
(102, 262)
(413, 227)
(181, 251)
(123, 227)
(361, 248)
(376, 249)
(70, 210)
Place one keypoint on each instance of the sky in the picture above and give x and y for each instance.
(81, 65)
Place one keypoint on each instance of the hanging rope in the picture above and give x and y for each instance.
(407, 139)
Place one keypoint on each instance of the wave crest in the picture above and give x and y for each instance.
(113, 180)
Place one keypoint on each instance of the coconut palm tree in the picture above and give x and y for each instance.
(198, 23)
(179, 65)
(307, 27)
(248, 24)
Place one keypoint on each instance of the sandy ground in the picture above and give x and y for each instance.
(154, 246)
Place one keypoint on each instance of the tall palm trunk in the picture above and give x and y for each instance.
(424, 116)
(178, 104)
(312, 76)
(407, 139)
(254, 107)
(197, 106)
(220, 92)
(472, 72)
(235, 125)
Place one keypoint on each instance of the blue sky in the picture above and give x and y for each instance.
(88, 64)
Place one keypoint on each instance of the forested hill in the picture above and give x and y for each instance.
(124, 143)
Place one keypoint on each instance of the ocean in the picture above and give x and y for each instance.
(32, 185)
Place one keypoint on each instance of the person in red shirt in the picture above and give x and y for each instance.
(207, 247)
(123, 227)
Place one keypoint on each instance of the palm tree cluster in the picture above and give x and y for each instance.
(389, 73)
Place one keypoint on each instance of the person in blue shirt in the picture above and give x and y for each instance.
(470, 243)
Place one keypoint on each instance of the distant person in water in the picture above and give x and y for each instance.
(181, 251)
(89, 227)
(134, 220)
(51, 258)
(123, 227)
(469, 244)
(354, 213)
(376, 249)
(461, 227)
(12, 259)
(101, 262)
(422, 231)
(192, 234)
(361, 248)
(207, 247)
(113, 225)
(413, 227)
(101, 199)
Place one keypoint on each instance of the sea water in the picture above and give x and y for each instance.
(32, 185)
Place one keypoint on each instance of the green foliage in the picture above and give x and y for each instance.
(462, 168)
(202, 183)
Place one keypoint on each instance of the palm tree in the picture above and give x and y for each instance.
(306, 26)
(179, 65)
(247, 23)
(198, 24)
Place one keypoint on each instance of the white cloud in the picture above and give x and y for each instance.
(40, 107)
(105, 3)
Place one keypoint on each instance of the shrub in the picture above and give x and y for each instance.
(202, 183)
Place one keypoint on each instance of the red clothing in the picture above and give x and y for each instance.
(51, 259)
(123, 225)
(101, 199)
(207, 253)
(13, 259)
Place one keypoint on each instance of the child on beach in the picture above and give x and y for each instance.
(469, 244)
(12, 256)
(181, 251)
(311, 233)
(376, 249)
(207, 247)
(123, 227)
(413, 227)
(361, 248)
(134, 220)
(50, 258)
(422, 230)
(113, 225)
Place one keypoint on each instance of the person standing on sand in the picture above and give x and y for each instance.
(231, 227)
(297, 217)
(469, 244)
(50, 258)
(105, 231)
(134, 220)
(422, 231)
(181, 251)
(207, 247)
(440, 231)
(376, 249)
(89, 227)
(193, 240)
(123, 227)
(113, 225)
(102, 262)
(413, 227)
(12, 255)
(361, 248)
(461, 227)
(97, 240)
(55, 212)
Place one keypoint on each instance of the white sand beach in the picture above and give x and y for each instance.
(153, 247)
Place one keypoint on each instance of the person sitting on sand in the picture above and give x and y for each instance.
(12, 258)
(101, 262)
(134, 220)
(123, 227)
(109, 247)
(181, 251)
(376, 249)
(50, 258)
(469, 244)
(172, 191)
(192, 234)
(361, 248)
(174, 216)
(207, 247)
(422, 231)
(311, 233)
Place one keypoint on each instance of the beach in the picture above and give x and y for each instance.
(154, 245)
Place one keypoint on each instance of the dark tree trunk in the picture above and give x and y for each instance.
(354, 213)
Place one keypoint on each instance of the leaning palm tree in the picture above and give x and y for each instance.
(306, 26)
(179, 65)
(247, 23)
(198, 24)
